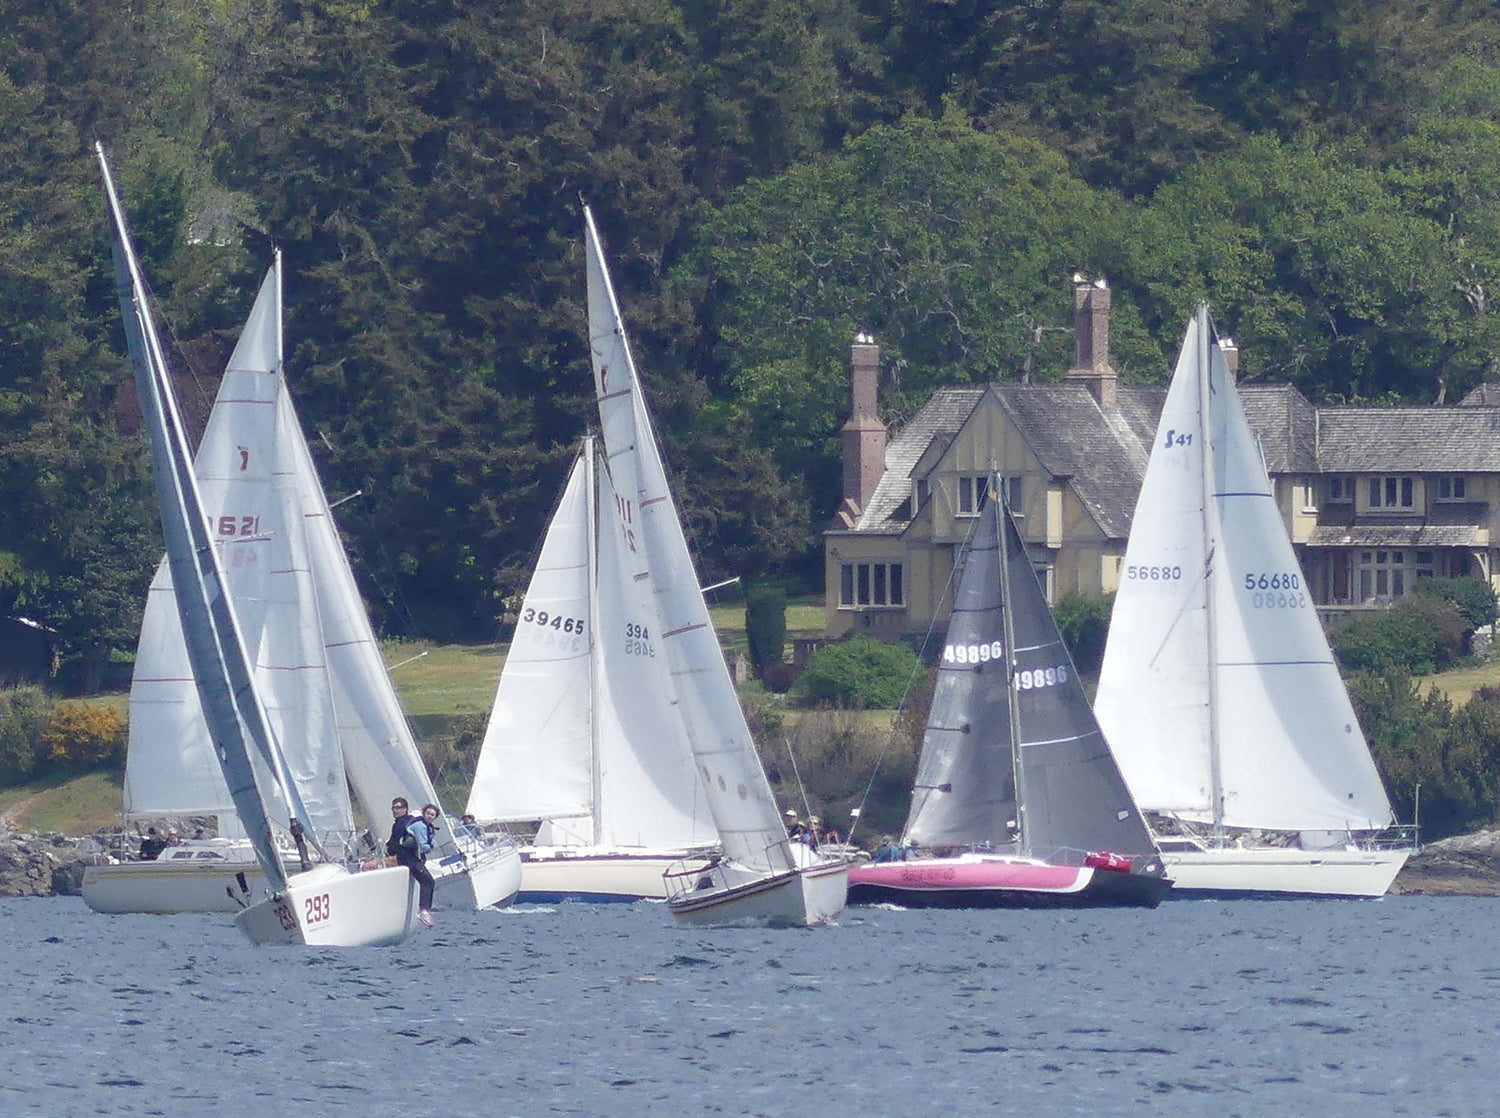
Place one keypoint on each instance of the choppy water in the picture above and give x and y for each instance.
(1197, 1008)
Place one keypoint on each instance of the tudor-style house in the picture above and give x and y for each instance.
(1374, 498)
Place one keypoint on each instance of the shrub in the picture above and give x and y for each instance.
(1420, 635)
(24, 714)
(84, 736)
(765, 627)
(1472, 597)
(859, 672)
(1083, 620)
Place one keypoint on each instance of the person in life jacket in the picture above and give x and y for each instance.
(410, 842)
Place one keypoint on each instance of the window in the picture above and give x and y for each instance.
(1452, 488)
(872, 584)
(921, 492)
(1391, 492)
(1340, 490)
(973, 491)
(1015, 495)
(1382, 574)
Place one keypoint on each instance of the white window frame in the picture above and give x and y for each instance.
(872, 584)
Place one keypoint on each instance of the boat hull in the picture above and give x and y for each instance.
(330, 907)
(728, 894)
(197, 876)
(482, 878)
(1281, 872)
(981, 882)
(595, 875)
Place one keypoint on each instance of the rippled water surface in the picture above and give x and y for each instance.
(1197, 1008)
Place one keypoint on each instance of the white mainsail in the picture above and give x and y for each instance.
(1239, 680)
(255, 521)
(739, 796)
(584, 733)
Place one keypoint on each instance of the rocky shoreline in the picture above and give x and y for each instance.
(51, 865)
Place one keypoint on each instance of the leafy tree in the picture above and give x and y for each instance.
(859, 672)
(1419, 635)
(765, 626)
(1474, 598)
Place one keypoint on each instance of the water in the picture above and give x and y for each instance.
(1203, 1008)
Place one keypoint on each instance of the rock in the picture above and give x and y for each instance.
(43, 865)
(1465, 865)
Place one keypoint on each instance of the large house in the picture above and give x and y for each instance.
(1374, 498)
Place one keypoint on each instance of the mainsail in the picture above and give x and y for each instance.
(739, 796)
(254, 517)
(1012, 757)
(1224, 635)
(584, 733)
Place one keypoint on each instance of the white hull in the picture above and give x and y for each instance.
(330, 907)
(1283, 871)
(594, 874)
(486, 877)
(161, 888)
(728, 894)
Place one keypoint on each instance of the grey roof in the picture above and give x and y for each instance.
(943, 416)
(1405, 534)
(1103, 450)
(1485, 396)
(1409, 440)
(1286, 425)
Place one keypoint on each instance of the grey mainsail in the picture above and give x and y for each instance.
(1038, 779)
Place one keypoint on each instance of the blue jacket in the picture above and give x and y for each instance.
(410, 834)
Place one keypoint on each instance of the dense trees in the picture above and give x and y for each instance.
(770, 176)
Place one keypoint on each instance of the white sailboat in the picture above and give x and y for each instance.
(328, 694)
(1219, 693)
(759, 875)
(1016, 789)
(326, 905)
(584, 734)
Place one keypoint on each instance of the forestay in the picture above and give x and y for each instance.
(739, 796)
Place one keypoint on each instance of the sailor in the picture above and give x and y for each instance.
(409, 834)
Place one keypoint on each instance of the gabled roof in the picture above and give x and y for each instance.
(943, 416)
(1286, 425)
(1409, 440)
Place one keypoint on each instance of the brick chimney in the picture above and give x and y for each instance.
(1091, 366)
(1231, 358)
(864, 434)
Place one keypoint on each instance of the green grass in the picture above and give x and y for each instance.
(1461, 683)
(72, 805)
(804, 618)
(449, 679)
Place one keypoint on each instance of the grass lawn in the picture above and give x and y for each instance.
(74, 806)
(448, 679)
(1461, 683)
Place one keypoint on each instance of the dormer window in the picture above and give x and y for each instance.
(1392, 493)
(1452, 488)
(921, 493)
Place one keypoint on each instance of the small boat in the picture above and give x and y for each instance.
(1016, 792)
(584, 734)
(757, 876)
(326, 904)
(1218, 691)
(316, 658)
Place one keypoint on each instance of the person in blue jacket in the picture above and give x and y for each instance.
(410, 842)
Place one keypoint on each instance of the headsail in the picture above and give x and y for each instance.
(739, 795)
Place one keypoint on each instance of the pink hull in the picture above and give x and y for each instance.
(967, 873)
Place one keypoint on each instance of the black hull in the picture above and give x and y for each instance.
(1106, 889)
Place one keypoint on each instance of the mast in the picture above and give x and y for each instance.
(1013, 713)
(1215, 763)
(591, 552)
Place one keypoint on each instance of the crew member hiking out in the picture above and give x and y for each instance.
(411, 839)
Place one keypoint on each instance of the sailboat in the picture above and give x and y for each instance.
(584, 734)
(328, 693)
(759, 875)
(1016, 790)
(1218, 691)
(325, 904)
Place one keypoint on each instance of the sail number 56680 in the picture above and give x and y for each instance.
(1273, 581)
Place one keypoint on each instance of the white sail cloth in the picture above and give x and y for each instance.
(739, 796)
(1215, 651)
